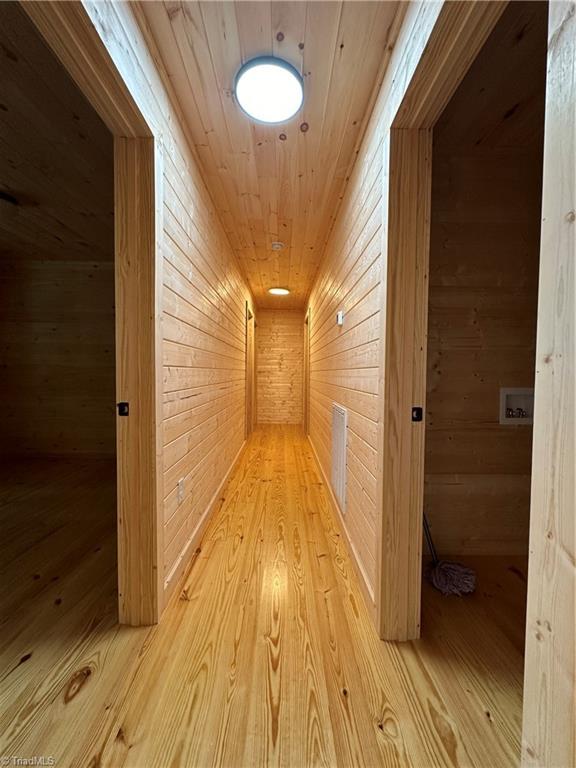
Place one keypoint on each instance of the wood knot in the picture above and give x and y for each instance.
(280, 36)
(174, 11)
(76, 684)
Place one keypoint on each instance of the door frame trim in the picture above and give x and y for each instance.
(306, 372)
(250, 363)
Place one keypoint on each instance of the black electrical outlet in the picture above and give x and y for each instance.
(123, 409)
(417, 413)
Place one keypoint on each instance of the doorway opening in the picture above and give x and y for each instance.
(483, 290)
(306, 416)
(250, 371)
(135, 266)
(138, 219)
(487, 162)
(58, 484)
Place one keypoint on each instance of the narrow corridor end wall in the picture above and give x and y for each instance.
(279, 366)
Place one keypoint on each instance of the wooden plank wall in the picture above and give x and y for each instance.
(203, 303)
(56, 255)
(485, 240)
(344, 359)
(346, 363)
(280, 363)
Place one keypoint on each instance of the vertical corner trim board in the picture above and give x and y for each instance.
(409, 192)
(549, 719)
(136, 383)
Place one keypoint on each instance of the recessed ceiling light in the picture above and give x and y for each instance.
(269, 89)
(277, 245)
(278, 291)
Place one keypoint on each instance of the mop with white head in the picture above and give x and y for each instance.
(448, 578)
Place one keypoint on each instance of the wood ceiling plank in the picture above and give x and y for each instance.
(293, 176)
(205, 113)
(322, 24)
(288, 27)
(356, 42)
(254, 22)
(288, 34)
(222, 36)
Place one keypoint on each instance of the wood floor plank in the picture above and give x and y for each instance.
(266, 657)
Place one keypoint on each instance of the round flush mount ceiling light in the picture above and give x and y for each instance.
(277, 245)
(279, 291)
(269, 89)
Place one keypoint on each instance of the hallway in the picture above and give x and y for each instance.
(269, 656)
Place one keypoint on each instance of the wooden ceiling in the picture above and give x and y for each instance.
(278, 182)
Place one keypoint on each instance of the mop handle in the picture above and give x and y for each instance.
(428, 535)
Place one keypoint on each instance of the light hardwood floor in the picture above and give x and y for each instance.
(267, 656)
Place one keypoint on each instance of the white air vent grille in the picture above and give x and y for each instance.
(339, 429)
